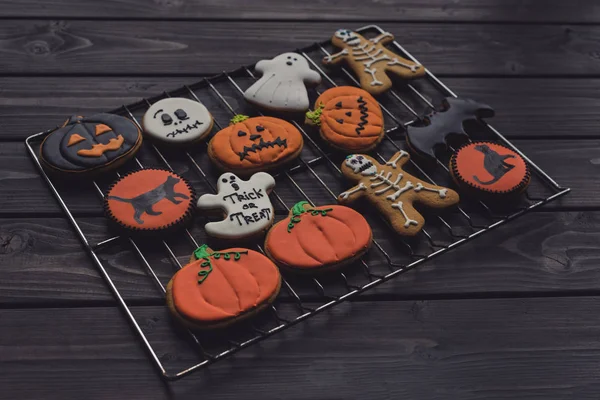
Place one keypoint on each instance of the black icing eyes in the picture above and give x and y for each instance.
(290, 58)
(241, 133)
(231, 178)
(166, 119)
(353, 161)
(182, 115)
(259, 128)
(224, 180)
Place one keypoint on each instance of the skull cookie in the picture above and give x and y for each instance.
(177, 120)
(248, 209)
(281, 86)
(393, 191)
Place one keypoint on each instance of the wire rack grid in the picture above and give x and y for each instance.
(314, 177)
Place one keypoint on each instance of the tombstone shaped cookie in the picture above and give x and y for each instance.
(177, 120)
(439, 124)
(85, 145)
(371, 61)
(282, 85)
(246, 205)
(393, 191)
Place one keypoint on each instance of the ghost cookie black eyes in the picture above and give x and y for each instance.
(177, 120)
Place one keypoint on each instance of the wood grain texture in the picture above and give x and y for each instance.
(44, 263)
(525, 107)
(440, 350)
(187, 47)
(353, 10)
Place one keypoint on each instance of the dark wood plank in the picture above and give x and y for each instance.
(359, 10)
(188, 47)
(461, 349)
(525, 107)
(44, 263)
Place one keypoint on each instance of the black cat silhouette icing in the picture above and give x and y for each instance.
(145, 202)
(494, 164)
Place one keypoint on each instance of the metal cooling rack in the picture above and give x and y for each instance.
(316, 172)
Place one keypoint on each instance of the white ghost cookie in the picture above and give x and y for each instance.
(177, 120)
(248, 209)
(282, 85)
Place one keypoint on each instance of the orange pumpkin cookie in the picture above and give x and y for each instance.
(150, 200)
(250, 145)
(489, 168)
(219, 288)
(350, 119)
(318, 238)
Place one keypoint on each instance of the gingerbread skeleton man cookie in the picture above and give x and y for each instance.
(393, 191)
(282, 85)
(371, 60)
(248, 209)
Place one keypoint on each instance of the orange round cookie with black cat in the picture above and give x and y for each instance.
(349, 118)
(490, 168)
(150, 200)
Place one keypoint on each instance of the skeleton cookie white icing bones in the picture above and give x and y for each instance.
(282, 85)
(393, 191)
(246, 204)
(177, 120)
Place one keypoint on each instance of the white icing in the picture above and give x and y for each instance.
(408, 222)
(282, 85)
(413, 68)
(394, 161)
(348, 36)
(381, 37)
(441, 192)
(361, 164)
(361, 186)
(248, 209)
(177, 120)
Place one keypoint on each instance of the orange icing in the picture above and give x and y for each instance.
(469, 163)
(101, 128)
(319, 240)
(232, 287)
(227, 144)
(100, 148)
(142, 182)
(74, 139)
(345, 134)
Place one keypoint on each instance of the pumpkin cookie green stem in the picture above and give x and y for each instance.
(238, 118)
(298, 209)
(202, 252)
(314, 117)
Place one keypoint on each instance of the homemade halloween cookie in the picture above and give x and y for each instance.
(439, 124)
(393, 191)
(371, 61)
(315, 239)
(256, 144)
(85, 145)
(219, 288)
(177, 120)
(350, 119)
(282, 85)
(246, 205)
(150, 201)
(489, 168)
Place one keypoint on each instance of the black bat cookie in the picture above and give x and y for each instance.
(440, 124)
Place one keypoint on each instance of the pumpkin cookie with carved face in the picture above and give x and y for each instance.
(219, 288)
(315, 239)
(85, 145)
(250, 145)
(350, 119)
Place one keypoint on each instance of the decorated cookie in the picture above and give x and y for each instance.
(371, 61)
(487, 167)
(177, 120)
(393, 191)
(250, 145)
(150, 200)
(439, 124)
(219, 288)
(90, 144)
(315, 239)
(350, 119)
(246, 205)
(282, 85)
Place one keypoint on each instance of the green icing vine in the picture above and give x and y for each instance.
(202, 253)
(238, 118)
(298, 209)
(315, 116)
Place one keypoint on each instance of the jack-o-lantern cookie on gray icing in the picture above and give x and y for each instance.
(90, 144)
(177, 120)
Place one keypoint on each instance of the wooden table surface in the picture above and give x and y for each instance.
(513, 315)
